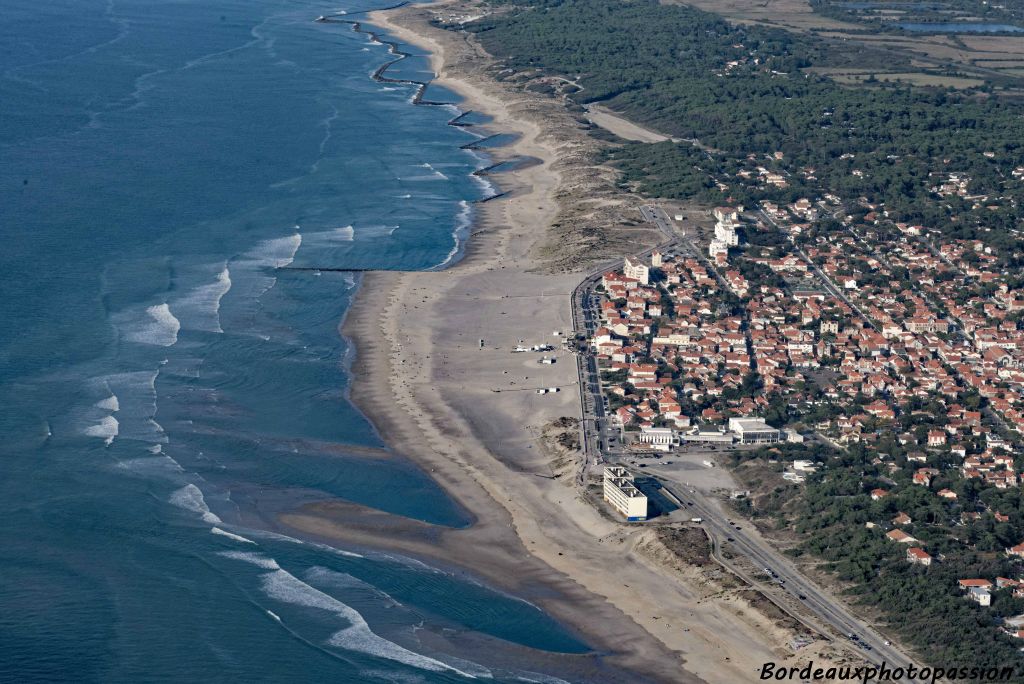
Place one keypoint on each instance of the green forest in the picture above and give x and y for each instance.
(923, 604)
(668, 66)
(744, 94)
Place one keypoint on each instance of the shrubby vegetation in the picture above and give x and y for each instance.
(670, 67)
(740, 92)
(923, 604)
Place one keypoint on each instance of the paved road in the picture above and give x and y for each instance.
(596, 429)
(826, 282)
(597, 437)
(723, 528)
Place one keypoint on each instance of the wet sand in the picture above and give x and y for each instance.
(471, 417)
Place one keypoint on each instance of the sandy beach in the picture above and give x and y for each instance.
(471, 417)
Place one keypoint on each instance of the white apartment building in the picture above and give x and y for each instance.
(622, 495)
(725, 232)
(637, 270)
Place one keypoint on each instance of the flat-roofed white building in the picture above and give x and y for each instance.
(620, 492)
(753, 430)
(659, 438)
(637, 270)
(713, 436)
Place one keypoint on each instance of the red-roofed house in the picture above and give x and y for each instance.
(918, 556)
(901, 537)
(902, 519)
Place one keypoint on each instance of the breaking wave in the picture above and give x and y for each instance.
(231, 535)
(253, 558)
(106, 428)
(108, 404)
(463, 222)
(160, 329)
(285, 587)
(200, 309)
(190, 498)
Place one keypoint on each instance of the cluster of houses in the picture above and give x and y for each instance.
(672, 344)
(979, 590)
(925, 330)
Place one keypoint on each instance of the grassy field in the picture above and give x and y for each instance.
(788, 14)
(1000, 63)
(980, 58)
(919, 79)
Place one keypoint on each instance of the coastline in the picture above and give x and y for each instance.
(421, 378)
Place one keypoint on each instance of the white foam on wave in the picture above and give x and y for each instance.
(106, 428)
(160, 329)
(378, 229)
(463, 220)
(328, 238)
(200, 308)
(486, 185)
(285, 587)
(108, 404)
(132, 395)
(153, 466)
(155, 426)
(278, 252)
(277, 536)
(435, 175)
(252, 279)
(190, 498)
(431, 167)
(230, 535)
(342, 580)
(253, 558)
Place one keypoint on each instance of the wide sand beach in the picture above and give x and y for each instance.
(471, 417)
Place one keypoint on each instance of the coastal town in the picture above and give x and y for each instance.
(772, 360)
(807, 324)
(563, 341)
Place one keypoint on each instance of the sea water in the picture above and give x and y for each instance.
(174, 174)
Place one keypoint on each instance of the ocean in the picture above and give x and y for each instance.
(173, 176)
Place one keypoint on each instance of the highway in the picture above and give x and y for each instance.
(731, 534)
(726, 534)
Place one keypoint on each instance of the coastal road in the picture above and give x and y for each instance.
(727, 535)
(730, 535)
(596, 429)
